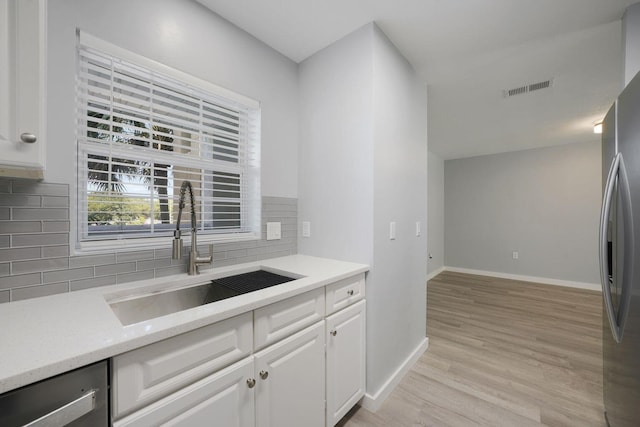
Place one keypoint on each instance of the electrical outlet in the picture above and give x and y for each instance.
(274, 231)
(515, 254)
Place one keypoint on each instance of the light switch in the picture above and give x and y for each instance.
(274, 231)
(418, 229)
(392, 230)
(306, 229)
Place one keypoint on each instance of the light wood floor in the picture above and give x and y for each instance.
(501, 353)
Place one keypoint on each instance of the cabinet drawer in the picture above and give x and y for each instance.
(344, 293)
(144, 375)
(281, 319)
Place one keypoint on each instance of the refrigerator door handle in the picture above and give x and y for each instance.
(604, 228)
(617, 170)
(624, 193)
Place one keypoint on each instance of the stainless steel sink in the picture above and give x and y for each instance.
(149, 306)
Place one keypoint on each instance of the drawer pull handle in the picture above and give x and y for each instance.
(29, 138)
(68, 413)
(350, 292)
(251, 383)
(264, 374)
(334, 333)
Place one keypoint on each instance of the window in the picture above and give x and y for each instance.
(143, 129)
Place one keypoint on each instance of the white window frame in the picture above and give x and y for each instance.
(251, 201)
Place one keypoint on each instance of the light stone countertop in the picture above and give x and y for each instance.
(43, 337)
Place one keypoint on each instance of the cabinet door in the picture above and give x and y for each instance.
(222, 399)
(345, 360)
(22, 87)
(291, 382)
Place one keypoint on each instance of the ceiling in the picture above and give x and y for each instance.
(468, 52)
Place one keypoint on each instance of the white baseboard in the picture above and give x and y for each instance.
(374, 402)
(544, 280)
(435, 273)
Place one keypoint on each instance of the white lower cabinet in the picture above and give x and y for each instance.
(345, 360)
(281, 386)
(282, 365)
(221, 399)
(290, 381)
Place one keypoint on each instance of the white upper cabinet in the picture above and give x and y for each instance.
(22, 88)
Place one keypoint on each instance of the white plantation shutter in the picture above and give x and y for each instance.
(143, 129)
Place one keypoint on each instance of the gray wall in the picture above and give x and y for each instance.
(34, 245)
(543, 203)
(362, 162)
(435, 199)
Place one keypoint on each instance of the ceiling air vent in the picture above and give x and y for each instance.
(527, 88)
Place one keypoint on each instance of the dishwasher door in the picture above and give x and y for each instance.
(76, 398)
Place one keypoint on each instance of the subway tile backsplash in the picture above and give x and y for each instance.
(35, 253)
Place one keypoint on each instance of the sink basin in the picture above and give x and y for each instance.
(148, 306)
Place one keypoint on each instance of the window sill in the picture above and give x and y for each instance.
(124, 245)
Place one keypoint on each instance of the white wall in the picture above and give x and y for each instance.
(397, 299)
(435, 198)
(336, 150)
(186, 36)
(631, 41)
(362, 163)
(543, 203)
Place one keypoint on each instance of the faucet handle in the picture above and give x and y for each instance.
(210, 255)
(207, 259)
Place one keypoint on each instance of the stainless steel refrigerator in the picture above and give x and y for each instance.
(620, 258)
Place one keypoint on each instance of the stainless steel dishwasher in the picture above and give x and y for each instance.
(76, 398)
